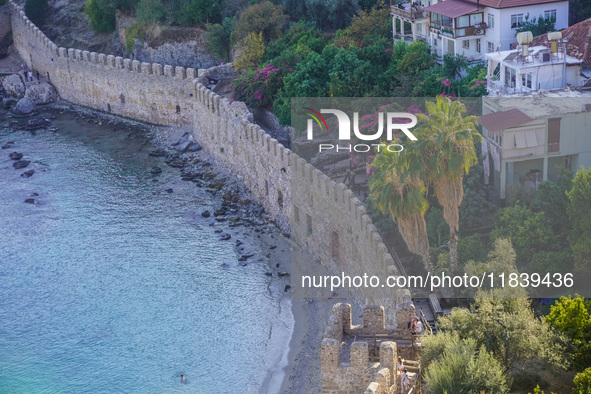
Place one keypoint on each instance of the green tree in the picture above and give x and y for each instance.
(218, 38)
(583, 382)
(265, 18)
(397, 188)
(508, 329)
(35, 11)
(366, 28)
(250, 52)
(100, 16)
(470, 248)
(551, 198)
(150, 11)
(417, 57)
(578, 11)
(455, 365)
(579, 201)
(446, 143)
(309, 79)
(530, 232)
(502, 320)
(572, 317)
(331, 14)
(199, 11)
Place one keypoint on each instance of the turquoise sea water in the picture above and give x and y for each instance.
(109, 284)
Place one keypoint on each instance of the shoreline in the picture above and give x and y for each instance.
(159, 137)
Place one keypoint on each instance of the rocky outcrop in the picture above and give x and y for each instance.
(24, 106)
(41, 93)
(14, 86)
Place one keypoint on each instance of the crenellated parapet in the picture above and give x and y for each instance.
(323, 216)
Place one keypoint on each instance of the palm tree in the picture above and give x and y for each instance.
(446, 144)
(397, 189)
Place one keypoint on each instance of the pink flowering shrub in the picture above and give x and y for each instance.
(257, 88)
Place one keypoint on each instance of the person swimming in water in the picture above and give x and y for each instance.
(183, 379)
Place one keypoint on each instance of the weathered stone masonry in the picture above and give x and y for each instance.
(325, 212)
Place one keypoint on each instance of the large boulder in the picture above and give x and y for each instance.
(24, 106)
(41, 93)
(14, 86)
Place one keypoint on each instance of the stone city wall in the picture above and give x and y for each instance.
(357, 374)
(324, 217)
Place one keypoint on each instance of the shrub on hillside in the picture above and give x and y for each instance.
(35, 11)
(101, 19)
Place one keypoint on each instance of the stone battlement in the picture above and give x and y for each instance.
(323, 217)
(360, 358)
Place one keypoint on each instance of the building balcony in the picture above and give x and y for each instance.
(407, 12)
(451, 32)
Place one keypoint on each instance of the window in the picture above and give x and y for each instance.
(478, 45)
(510, 76)
(463, 21)
(491, 21)
(516, 20)
(490, 46)
(550, 14)
(553, 135)
(526, 80)
(466, 44)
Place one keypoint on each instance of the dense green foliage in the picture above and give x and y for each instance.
(578, 10)
(218, 38)
(572, 317)
(458, 365)
(499, 333)
(530, 232)
(131, 33)
(265, 18)
(470, 248)
(583, 382)
(101, 13)
(579, 201)
(327, 14)
(475, 205)
(35, 11)
(149, 11)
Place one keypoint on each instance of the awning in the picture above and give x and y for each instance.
(453, 8)
(497, 121)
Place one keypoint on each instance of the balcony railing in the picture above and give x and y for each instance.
(452, 32)
(411, 14)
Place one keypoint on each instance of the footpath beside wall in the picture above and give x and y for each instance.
(323, 211)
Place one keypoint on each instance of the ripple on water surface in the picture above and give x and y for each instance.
(106, 286)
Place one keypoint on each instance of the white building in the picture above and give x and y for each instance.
(525, 139)
(550, 61)
(471, 27)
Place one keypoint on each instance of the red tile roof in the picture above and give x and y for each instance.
(511, 3)
(453, 8)
(578, 41)
(502, 120)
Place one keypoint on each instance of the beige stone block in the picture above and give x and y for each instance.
(71, 53)
(146, 69)
(111, 61)
(179, 72)
(86, 56)
(168, 70)
(119, 62)
(135, 66)
(127, 64)
(63, 52)
(191, 73)
(157, 69)
(102, 58)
